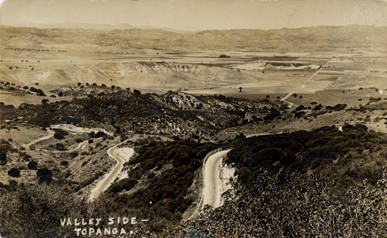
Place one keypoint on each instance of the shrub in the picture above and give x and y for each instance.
(224, 56)
(60, 134)
(3, 158)
(40, 93)
(44, 175)
(124, 184)
(99, 134)
(33, 165)
(14, 172)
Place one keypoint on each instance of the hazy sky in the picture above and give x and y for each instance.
(197, 14)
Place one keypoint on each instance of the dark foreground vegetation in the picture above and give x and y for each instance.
(298, 208)
(323, 183)
(353, 154)
(319, 183)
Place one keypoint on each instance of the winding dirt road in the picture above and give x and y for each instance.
(121, 156)
(212, 183)
(46, 137)
(212, 188)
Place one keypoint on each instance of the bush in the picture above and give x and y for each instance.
(60, 134)
(40, 92)
(45, 175)
(224, 56)
(124, 184)
(318, 107)
(3, 158)
(100, 134)
(14, 172)
(33, 165)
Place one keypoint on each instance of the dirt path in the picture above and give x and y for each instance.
(120, 155)
(285, 99)
(46, 137)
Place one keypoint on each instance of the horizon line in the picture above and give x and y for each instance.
(112, 27)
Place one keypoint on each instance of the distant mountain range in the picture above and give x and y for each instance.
(76, 25)
(126, 37)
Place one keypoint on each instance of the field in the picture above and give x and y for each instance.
(52, 58)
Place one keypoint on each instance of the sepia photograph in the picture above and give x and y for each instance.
(193, 118)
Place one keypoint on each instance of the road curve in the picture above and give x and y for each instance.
(211, 180)
(212, 184)
(43, 138)
(120, 155)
